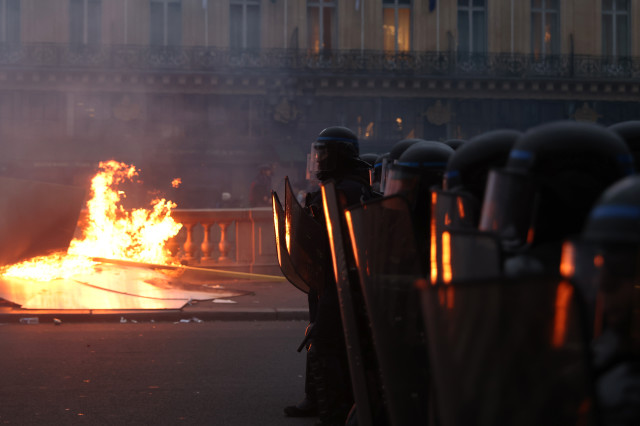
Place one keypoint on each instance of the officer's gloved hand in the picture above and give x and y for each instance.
(306, 342)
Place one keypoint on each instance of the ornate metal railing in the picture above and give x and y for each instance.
(420, 64)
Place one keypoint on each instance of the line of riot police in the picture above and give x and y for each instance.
(480, 282)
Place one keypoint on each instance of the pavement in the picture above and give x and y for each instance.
(259, 301)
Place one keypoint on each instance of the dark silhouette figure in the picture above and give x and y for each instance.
(260, 193)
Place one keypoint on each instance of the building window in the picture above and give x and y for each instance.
(545, 27)
(472, 26)
(244, 24)
(321, 17)
(10, 21)
(615, 28)
(166, 23)
(396, 24)
(84, 21)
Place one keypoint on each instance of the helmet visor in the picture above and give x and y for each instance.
(374, 174)
(401, 180)
(509, 208)
(608, 279)
(320, 159)
(384, 173)
(454, 209)
(594, 267)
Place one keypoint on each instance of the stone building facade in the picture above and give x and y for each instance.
(206, 90)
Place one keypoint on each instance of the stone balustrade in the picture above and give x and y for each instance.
(233, 239)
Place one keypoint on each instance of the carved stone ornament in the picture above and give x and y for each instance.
(585, 113)
(438, 114)
(286, 111)
(126, 110)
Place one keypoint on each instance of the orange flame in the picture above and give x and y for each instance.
(176, 182)
(111, 232)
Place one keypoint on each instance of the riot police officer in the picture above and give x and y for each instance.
(554, 174)
(416, 171)
(603, 263)
(334, 156)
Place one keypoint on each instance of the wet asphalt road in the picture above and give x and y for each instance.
(211, 373)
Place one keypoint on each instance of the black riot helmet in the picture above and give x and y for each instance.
(396, 151)
(466, 176)
(615, 219)
(369, 158)
(468, 168)
(334, 154)
(554, 174)
(630, 132)
(418, 168)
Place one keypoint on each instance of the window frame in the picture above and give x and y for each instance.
(543, 11)
(614, 13)
(321, 5)
(4, 21)
(165, 22)
(470, 9)
(245, 4)
(396, 5)
(88, 32)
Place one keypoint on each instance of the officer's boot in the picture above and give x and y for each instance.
(332, 387)
(308, 407)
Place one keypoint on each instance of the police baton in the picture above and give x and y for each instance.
(307, 336)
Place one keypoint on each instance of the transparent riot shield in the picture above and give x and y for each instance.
(389, 267)
(454, 210)
(36, 218)
(362, 368)
(465, 255)
(608, 277)
(284, 260)
(457, 249)
(305, 240)
(509, 352)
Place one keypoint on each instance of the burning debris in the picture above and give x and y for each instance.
(77, 280)
(111, 231)
(115, 233)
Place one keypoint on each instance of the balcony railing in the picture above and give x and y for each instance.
(417, 64)
(232, 239)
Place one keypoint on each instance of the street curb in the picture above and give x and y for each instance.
(157, 316)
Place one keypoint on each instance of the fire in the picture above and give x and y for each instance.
(176, 182)
(111, 231)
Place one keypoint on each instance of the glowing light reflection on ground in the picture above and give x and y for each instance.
(110, 287)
